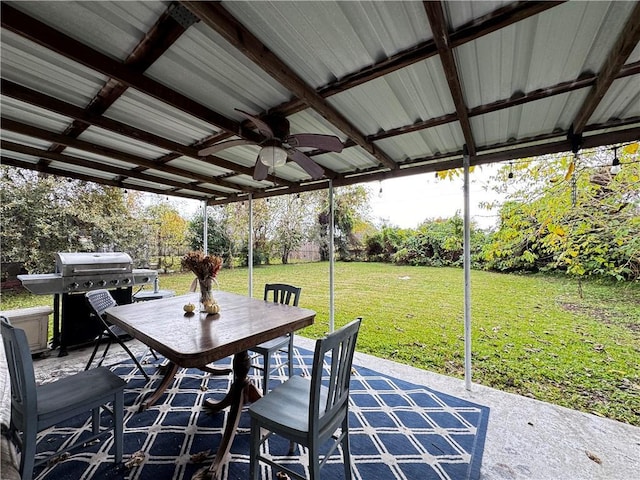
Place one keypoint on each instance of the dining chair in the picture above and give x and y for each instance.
(37, 407)
(278, 293)
(309, 411)
(100, 301)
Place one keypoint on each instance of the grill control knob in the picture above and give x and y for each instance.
(115, 281)
(88, 284)
(73, 286)
(102, 283)
(126, 281)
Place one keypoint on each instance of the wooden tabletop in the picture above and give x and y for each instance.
(198, 339)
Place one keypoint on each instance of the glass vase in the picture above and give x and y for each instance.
(206, 292)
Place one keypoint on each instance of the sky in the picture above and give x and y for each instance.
(408, 201)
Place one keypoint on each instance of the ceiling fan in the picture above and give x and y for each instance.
(279, 146)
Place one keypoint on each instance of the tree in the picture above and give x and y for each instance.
(218, 238)
(43, 214)
(292, 217)
(436, 243)
(169, 230)
(574, 216)
(237, 215)
(351, 204)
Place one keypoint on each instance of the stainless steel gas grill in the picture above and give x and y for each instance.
(76, 274)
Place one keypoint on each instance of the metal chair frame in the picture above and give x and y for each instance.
(100, 301)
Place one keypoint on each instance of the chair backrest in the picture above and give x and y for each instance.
(100, 300)
(24, 403)
(335, 350)
(282, 293)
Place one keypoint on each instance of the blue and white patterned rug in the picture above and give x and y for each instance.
(398, 430)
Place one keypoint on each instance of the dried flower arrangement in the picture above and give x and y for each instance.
(205, 268)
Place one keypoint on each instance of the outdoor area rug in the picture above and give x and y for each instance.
(398, 430)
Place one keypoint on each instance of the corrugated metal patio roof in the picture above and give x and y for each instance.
(127, 93)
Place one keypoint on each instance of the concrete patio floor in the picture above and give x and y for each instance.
(526, 438)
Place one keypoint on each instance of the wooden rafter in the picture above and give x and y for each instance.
(6, 159)
(439, 29)
(41, 100)
(120, 173)
(54, 40)
(518, 98)
(218, 18)
(153, 45)
(500, 18)
(69, 141)
(625, 44)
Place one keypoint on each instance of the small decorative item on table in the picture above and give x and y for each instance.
(205, 268)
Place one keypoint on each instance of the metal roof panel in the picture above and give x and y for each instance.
(621, 101)
(423, 143)
(106, 138)
(149, 114)
(38, 68)
(32, 115)
(113, 28)
(324, 41)
(418, 92)
(203, 66)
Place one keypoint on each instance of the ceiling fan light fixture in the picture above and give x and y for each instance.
(273, 156)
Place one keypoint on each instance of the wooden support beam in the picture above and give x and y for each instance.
(219, 19)
(46, 102)
(121, 173)
(67, 141)
(440, 32)
(624, 45)
(152, 46)
(6, 159)
(48, 37)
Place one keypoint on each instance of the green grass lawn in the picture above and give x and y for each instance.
(532, 335)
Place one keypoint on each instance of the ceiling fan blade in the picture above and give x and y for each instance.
(222, 145)
(261, 171)
(263, 128)
(330, 143)
(309, 166)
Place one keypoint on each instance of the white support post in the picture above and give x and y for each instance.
(205, 228)
(250, 249)
(331, 258)
(467, 275)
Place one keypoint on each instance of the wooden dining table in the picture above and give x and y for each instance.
(197, 339)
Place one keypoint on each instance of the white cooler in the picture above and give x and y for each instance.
(35, 323)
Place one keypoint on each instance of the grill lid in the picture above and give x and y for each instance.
(85, 263)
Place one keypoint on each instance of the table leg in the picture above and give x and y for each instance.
(241, 391)
(169, 374)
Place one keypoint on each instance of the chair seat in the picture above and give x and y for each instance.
(294, 419)
(271, 345)
(79, 393)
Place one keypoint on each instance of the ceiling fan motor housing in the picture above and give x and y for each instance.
(279, 125)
